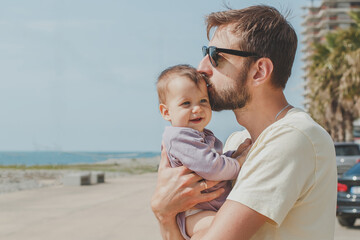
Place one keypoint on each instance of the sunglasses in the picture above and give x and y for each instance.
(213, 53)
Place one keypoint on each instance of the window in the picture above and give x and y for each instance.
(347, 150)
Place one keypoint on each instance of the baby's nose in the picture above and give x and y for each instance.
(197, 109)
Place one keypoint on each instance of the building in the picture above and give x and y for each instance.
(320, 18)
(324, 16)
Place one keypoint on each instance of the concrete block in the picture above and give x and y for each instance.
(77, 179)
(97, 177)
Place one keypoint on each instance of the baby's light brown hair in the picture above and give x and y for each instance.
(181, 70)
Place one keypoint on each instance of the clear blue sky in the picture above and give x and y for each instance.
(79, 75)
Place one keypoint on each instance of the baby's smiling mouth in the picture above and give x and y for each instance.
(196, 119)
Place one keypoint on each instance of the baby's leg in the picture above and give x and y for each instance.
(199, 221)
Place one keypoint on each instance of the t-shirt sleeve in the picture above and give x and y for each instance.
(278, 172)
(190, 149)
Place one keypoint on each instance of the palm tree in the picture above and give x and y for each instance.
(334, 81)
(349, 88)
(350, 91)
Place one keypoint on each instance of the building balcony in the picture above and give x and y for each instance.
(309, 17)
(326, 23)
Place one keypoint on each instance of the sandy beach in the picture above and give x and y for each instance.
(12, 180)
(116, 209)
(35, 204)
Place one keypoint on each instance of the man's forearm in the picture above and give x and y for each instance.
(166, 218)
(170, 230)
(177, 190)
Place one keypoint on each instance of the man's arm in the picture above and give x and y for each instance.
(178, 189)
(234, 221)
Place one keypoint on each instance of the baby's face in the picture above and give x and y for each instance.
(188, 104)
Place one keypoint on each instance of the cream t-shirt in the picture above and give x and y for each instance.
(290, 177)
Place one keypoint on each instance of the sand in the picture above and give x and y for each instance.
(117, 209)
(17, 180)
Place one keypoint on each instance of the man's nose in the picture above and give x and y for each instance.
(205, 66)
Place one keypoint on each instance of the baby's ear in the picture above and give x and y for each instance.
(164, 112)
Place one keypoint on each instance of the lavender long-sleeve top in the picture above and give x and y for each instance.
(201, 152)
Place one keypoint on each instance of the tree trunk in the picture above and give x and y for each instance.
(348, 126)
(339, 122)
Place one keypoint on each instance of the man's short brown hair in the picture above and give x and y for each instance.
(182, 70)
(263, 30)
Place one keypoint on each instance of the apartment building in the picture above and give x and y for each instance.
(320, 18)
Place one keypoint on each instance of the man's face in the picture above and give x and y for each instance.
(228, 81)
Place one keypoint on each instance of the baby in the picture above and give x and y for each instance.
(184, 101)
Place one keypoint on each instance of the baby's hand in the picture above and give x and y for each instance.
(242, 151)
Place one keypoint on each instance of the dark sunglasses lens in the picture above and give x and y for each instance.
(204, 51)
(213, 56)
(211, 51)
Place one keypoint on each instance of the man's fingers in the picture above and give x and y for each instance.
(210, 184)
(203, 184)
(191, 177)
(188, 178)
(205, 197)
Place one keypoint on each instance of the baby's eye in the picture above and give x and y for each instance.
(203, 100)
(187, 103)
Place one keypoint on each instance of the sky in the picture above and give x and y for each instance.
(79, 75)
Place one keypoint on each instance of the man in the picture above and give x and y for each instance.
(286, 188)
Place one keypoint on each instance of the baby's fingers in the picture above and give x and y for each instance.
(244, 146)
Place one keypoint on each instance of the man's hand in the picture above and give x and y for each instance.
(178, 189)
(242, 151)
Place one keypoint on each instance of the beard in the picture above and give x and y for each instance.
(231, 98)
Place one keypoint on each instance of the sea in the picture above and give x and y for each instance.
(65, 158)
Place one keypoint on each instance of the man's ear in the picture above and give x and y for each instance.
(164, 112)
(262, 70)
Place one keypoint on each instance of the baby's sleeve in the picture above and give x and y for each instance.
(189, 147)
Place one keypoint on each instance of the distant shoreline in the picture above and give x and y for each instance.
(21, 177)
(32, 158)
